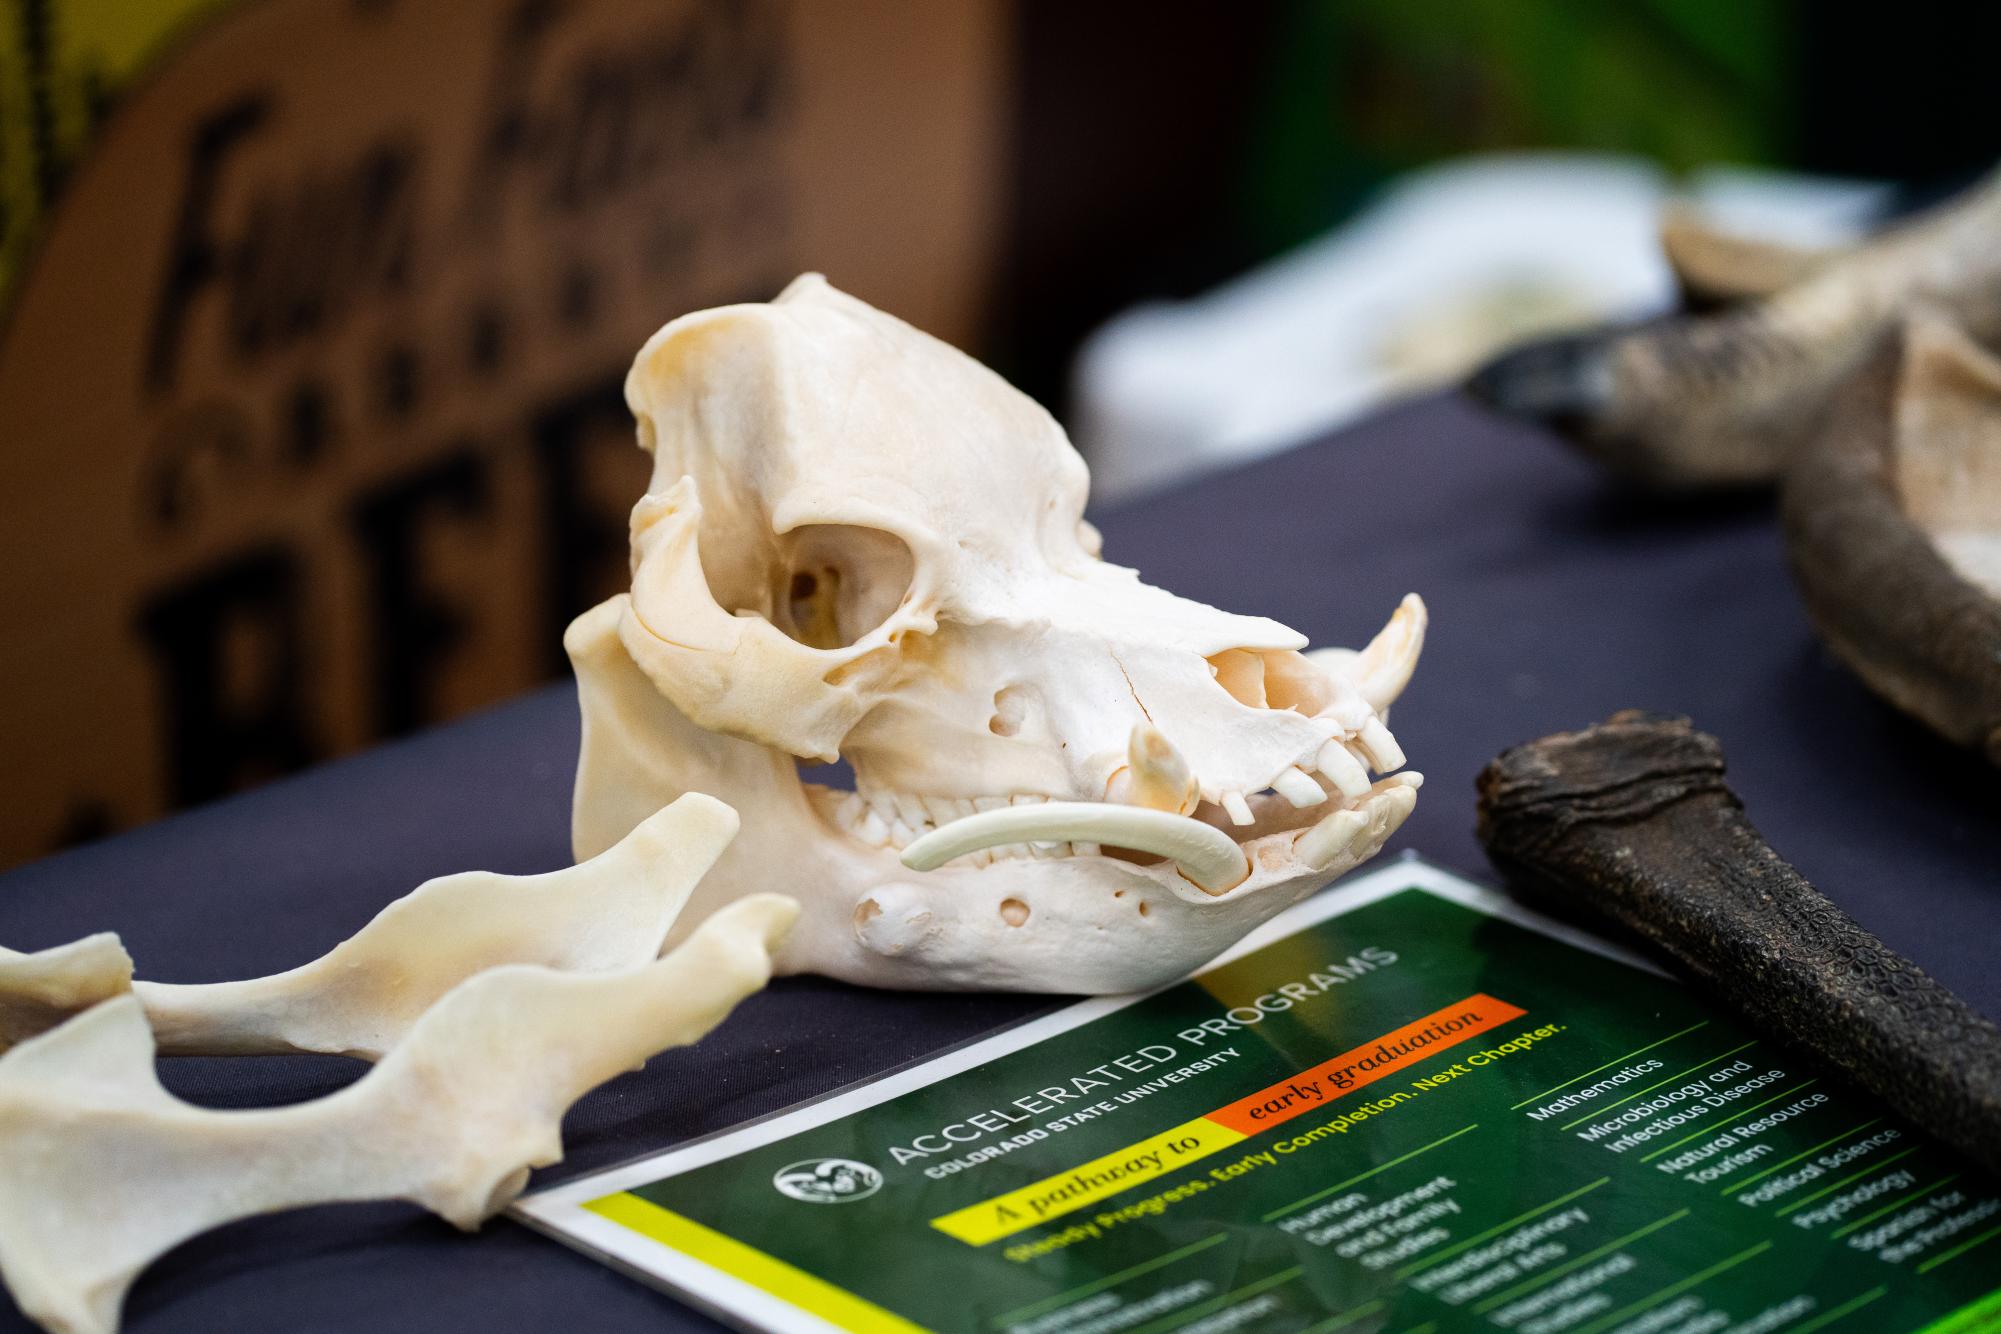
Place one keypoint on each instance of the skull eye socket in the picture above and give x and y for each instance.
(837, 582)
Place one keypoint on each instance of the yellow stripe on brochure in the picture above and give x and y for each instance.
(837, 1306)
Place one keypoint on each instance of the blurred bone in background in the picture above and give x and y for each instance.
(314, 313)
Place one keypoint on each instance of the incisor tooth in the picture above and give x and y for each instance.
(1320, 845)
(1343, 769)
(1298, 788)
(1239, 810)
(1382, 747)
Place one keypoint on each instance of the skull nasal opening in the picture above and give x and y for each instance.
(836, 582)
(1269, 679)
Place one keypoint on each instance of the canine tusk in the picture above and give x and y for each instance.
(1384, 668)
(1160, 779)
(1205, 854)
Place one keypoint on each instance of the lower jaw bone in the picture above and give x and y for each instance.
(611, 912)
(102, 1170)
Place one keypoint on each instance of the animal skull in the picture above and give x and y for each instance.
(861, 544)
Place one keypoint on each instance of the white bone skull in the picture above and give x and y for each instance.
(860, 543)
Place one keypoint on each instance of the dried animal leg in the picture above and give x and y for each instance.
(1631, 820)
(1722, 399)
(611, 912)
(102, 1170)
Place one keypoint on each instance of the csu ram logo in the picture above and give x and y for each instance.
(828, 1180)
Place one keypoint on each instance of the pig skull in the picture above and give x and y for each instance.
(861, 544)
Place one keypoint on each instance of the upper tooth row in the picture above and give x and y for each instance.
(884, 818)
(1344, 761)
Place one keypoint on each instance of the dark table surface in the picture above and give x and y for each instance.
(1554, 602)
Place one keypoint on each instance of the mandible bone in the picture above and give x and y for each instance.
(611, 912)
(102, 1170)
(859, 543)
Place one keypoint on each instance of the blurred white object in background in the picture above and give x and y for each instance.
(1447, 267)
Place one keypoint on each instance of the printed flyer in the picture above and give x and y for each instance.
(1404, 1106)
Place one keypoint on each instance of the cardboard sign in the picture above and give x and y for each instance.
(311, 422)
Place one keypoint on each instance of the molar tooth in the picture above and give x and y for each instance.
(1239, 809)
(1343, 769)
(910, 809)
(1298, 788)
(1086, 849)
(989, 803)
(1049, 849)
(871, 828)
(1381, 746)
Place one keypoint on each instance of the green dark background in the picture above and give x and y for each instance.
(1167, 146)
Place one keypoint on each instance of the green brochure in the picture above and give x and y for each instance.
(1406, 1105)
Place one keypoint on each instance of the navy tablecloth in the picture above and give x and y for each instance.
(1554, 601)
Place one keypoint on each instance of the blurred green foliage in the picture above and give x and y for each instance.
(1365, 89)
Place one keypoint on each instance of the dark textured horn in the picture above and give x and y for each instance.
(1631, 821)
(1723, 399)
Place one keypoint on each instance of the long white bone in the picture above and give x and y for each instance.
(1206, 855)
(102, 1170)
(613, 911)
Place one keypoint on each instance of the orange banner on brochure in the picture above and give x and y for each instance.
(1339, 1076)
